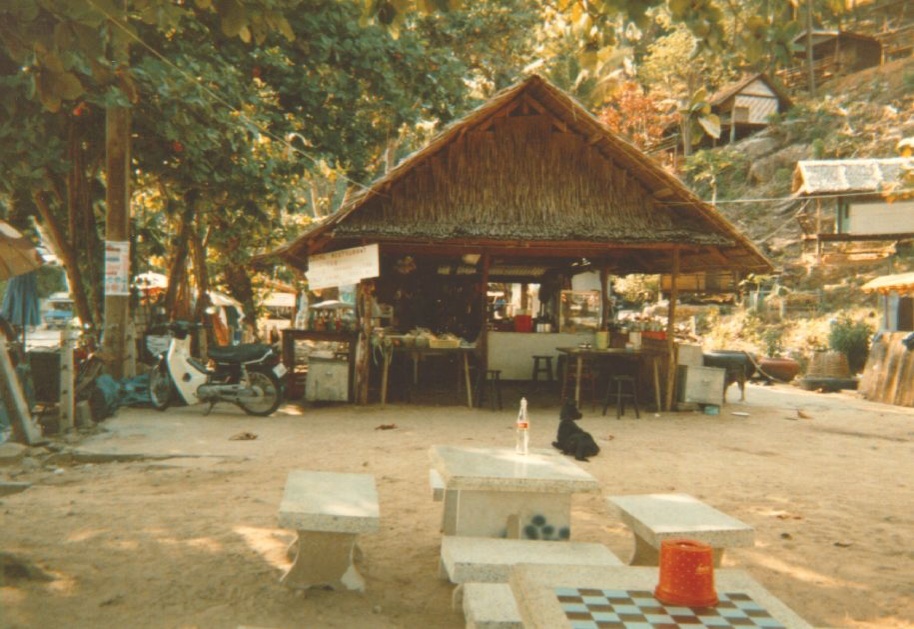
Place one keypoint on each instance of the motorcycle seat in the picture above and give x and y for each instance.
(246, 353)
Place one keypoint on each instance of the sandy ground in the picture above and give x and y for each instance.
(192, 540)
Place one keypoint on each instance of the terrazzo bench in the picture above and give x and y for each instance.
(441, 494)
(329, 510)
(490, 606)
(656, 517)
(488, 560)
(437, 484)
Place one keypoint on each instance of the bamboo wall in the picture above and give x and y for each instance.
(889, 373)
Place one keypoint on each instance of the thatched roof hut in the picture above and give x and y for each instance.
(527, 188)
(528, 177)
(843, 176)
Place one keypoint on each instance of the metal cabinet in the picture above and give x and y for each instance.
(327, 380)
(701, 385)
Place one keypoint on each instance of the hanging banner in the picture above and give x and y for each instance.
(117, 267)
(347, 266)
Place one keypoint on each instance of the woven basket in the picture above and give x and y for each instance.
(828, 364)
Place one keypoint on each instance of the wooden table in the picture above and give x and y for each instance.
(549, 597)
(417, 353)
(638, 357)
(495, 492)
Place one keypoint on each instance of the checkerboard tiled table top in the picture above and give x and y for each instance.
(546, 594)
(589, 608)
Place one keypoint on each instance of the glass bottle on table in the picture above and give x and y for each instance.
(522, 443)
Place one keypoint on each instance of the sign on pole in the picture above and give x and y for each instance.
(117, 267)
(347, 266)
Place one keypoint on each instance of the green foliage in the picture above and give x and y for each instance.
(772, 338)
(851, 338)
(637, 289)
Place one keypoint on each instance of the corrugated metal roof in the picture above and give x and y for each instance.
(848, 175)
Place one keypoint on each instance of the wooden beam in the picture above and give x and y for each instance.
(670, 332)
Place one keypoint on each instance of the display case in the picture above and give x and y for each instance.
(580, 311)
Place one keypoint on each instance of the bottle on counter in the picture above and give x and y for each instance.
(523, 429)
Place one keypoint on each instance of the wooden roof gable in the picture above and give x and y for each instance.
(747, 84)
(531, 172)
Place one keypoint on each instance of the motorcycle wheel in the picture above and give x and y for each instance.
(160, 387)
(269, 394)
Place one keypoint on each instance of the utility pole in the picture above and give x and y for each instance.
(117, 230)
(117, 222)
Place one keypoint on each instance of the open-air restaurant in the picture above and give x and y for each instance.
(425, 286)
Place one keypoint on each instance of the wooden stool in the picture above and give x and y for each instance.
(571, 376)
(542, 364)
(492, 381)
(617, 388)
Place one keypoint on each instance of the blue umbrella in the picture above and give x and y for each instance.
(20, 303)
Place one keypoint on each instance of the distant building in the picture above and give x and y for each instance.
(746, 107)
(834, 53)
(846, 203)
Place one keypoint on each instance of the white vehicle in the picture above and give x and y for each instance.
(248, 375)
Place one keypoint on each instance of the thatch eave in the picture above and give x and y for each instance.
(668, 214)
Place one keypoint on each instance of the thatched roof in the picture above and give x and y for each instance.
(837, 176)
(902, 283)
(530, 175)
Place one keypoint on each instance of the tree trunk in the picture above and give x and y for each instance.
(201, 278)
(177, 268)
(67, 257)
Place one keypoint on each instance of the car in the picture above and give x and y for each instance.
(59, 311)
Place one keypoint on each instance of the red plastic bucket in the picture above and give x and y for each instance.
(686, 574)
(523, 323)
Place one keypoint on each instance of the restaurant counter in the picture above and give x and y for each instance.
(513, 352)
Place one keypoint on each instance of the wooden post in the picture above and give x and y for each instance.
(670, 330)
(482, 343)
(12, 397)
(361, 372)
(117, 220)
(604, 296)
(67, 380)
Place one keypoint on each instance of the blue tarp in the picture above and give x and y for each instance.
(20, 303)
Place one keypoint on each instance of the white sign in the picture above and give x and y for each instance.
(347, 266)
(117, 267)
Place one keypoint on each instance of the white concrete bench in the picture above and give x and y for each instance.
(437, 484)
(656, 517)
(490, 606)
(328, 510)
(487, 560)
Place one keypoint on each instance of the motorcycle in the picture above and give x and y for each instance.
(247, 375)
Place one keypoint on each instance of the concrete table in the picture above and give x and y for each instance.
(550, 597)
(328, 510)
(656, 517)
(495, 492)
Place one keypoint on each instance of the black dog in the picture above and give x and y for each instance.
(571, 438)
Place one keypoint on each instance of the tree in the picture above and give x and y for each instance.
(636, 115)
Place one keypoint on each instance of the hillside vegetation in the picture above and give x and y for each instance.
(861, 115)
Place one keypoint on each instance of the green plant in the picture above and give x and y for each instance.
(771, 338)
(851, 338)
